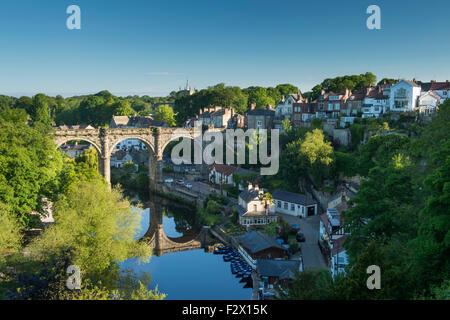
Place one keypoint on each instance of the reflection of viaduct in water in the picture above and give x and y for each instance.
(161, 243)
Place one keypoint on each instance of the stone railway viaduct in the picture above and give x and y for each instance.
(104, 140)
(156, 139)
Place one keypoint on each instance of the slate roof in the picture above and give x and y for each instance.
(256, 242)
(297, 198)
(427, 86)
(261, 112)
(249, 195)
(282, 269)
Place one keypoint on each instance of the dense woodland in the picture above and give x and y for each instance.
(400, 219)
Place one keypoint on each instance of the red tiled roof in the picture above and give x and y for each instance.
(338, 245)
(223, 168)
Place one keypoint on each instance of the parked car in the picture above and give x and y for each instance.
(295, 227)
(180, 181)
(188, 185)
(300, 237)
(169, 180)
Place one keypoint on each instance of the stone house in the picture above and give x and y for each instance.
(259, 118)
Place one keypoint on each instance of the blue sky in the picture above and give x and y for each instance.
(152, 47)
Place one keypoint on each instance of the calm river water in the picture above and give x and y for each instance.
(191, 275)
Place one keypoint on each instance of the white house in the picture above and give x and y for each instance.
(332, 236)
(221, 173)
(294, 204)
(440, 88)
(339, 257)
(404, 96)
(128, 143)
(283, 109)
(119, 158)
(251, 208)
(74, 150)
(428, 101)
(376, 102)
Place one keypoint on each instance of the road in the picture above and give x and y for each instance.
(312, 257)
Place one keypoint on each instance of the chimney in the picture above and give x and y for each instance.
(368, 91)
(211, 109)
(253, 106)
(256, 187)
(201, 111)
(322, 92)
(227, 111)
(433, 81)
(414, 80)
(268, 107)
(216, 108)
(205, 109)
(282, 98)
(446, 81)
(347, 93)
(250, 186)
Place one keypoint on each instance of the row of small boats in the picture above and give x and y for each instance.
(238, 266)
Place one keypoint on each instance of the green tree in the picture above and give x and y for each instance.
(286, 125)
(165, 114)
(29, 162)
(10, 236)
(308, 285)
(260, 97)
(97, 224)
(267, 200)
(433, 241)
(123, 108)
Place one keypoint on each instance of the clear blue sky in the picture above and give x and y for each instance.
(151, 47)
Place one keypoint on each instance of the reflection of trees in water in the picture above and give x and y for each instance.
(184, 216)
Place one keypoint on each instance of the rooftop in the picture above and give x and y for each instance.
(256, 241)
(282, 269)
(291, 197)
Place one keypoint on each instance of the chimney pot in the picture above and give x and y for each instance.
(253, 106)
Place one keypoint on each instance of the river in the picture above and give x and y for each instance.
(190, 275)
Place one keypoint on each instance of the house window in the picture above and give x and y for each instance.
(279, 204)
(285, 205)
(292, 207)
(255, 207)
(259, 124)
(330, 106)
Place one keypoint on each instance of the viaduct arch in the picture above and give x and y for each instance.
(104, 140)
